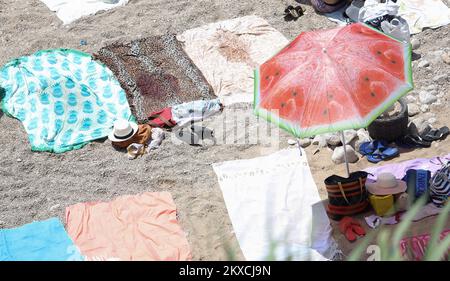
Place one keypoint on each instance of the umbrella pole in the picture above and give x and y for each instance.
(299, 147)
(345, 154)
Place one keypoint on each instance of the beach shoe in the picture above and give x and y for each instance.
(385, 153)
(351, 228)
(134, 150)
(358, 230)
(186, 135)
(377, 150)
(412, 141)
(431, 134)
(293, 13)
(204, 133)
(369, 147)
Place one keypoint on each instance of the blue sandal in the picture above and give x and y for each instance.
(377, 151)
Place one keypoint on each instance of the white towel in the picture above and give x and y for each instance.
(273, 201)
(227, 52)
(420, 14)
(71, 10)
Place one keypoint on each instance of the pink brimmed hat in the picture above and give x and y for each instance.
(386, 184)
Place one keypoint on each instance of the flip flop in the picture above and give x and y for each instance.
(187, 136)
(389, 153)
(358, 230)
(412, 141)
(293, 13)
(431, 135)
(382, 151)
(370, 147)
(346, 227)
(204, 133)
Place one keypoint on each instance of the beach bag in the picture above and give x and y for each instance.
(162, 119)
(418, 182)
(346, 196)
(440, 186)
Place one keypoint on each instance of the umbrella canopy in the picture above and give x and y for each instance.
(333, 80)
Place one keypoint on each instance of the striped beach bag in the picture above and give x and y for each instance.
(346, 196)
(440, 185)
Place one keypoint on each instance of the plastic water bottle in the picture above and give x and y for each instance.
(397, 28)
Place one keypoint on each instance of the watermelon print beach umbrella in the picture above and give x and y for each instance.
(333, 80)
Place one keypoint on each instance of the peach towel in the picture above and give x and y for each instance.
(131, 227)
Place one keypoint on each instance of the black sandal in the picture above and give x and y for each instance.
(293, 13)
(412, 141)
(431, 135)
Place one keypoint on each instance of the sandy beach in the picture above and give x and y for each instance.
(36, 186)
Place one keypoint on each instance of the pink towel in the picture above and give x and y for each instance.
(139, 227)
(399, 169)
(418, 245)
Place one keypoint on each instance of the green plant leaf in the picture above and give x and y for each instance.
(356, 253)
(437, 229)
(437, 252)
(405, 224)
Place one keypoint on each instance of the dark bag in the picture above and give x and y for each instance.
(162, 119)
(440, 185)
(418, 182)
(346, 196)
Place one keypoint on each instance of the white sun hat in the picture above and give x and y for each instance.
(386, 184)
(123, 130)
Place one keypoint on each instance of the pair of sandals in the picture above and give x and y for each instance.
(425, 139)
(195, 135)
(378, 150)
(351, 228)
(292, 13)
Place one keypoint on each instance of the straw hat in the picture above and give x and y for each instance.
(123, 130)
(386, 184)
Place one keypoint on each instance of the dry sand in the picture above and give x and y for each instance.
(36, 186)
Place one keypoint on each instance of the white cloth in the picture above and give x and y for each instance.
(373, 9)
(424, 13)
(373, 221)
(273, 201)
(158, 136)
(71, 10)
(194, 111)
(227, 52)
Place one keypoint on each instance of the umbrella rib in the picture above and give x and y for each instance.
(378, 65)
(309, 92)
(345, 86)
(292, 74)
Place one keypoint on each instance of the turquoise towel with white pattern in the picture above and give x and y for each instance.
(63, 98)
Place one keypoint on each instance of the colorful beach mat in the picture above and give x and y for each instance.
(38, 241)
(63, 98)
(275, 208)
(132, 227)
(155, 73)
(415, 247)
